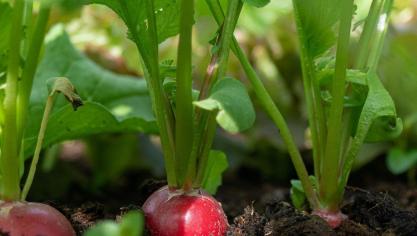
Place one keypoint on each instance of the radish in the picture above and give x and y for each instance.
(32, 219)
(334, 219)
(187, 119)
(175, 213)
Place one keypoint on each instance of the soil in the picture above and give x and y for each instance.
(256, 206)
(265, 210)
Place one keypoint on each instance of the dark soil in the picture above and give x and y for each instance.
(255, 206)
(266, 212)
(369, 213)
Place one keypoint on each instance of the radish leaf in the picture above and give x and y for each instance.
(131, 224)
(133, 14)
(112, 103)
(377, 121)
(399, 161)
(231, 101)
(216, 165)
(316, 33)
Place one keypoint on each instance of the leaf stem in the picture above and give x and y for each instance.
(184, 129)
(38, 148)
(28, 73)
(367, 34)
(270, 107)
(328, 185)
(160, 102)
(357, 141)
(381, 32)
(315, 112)
(208, 119)
(9, 150)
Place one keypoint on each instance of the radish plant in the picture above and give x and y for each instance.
(19, 217)
(347, 105)
(186, 118)
(26, 88)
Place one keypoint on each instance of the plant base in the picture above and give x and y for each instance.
(334, 219)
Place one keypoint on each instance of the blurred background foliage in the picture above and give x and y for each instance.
(268, 36)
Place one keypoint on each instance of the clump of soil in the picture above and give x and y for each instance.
(369, 213)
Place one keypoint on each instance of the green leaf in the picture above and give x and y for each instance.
(257, 3)
(315, 21)
(113, 103)
(297, 194)
(216, 165)
(377, 120)
(399, 161)
(355, 79)
(230, 99)
(131, 224)
(133, 13)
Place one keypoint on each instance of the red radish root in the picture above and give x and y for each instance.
(175, 213)
(32, 219)
(334, 219)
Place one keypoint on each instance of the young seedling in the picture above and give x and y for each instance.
(187, 123)
(18, 217)
(346, 107)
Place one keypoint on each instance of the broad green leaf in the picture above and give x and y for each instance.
(113, 103)
(216, 165)
(399, 161)
(257, 3)
(379, 114)
(231, 101)
(133, 14)
(377, 121)
(315, 22)
(132, 224)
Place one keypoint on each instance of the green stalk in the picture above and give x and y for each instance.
(32, 59)
(27, 26)
(372, 64)
(160, 102)
(314, 106)
(367, 34)
(270, 107)
(329, 184)
(184, 129)
(9, 150)
(150, 63)
(381, 31)
(208, 119)
(38, 148)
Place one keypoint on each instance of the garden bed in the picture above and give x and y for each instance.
(260, 208)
